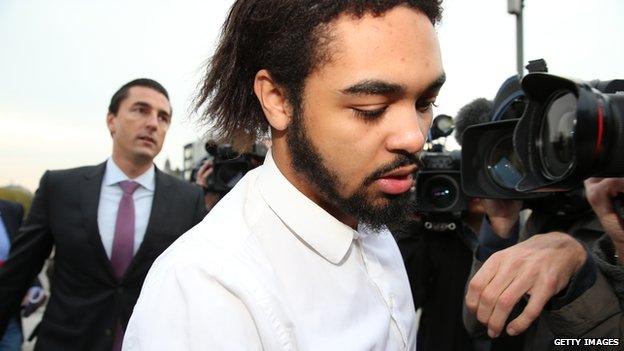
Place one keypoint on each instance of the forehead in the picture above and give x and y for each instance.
(147, 95)
(399, 46)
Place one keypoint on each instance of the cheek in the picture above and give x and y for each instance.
(348, 146)
(162, 133)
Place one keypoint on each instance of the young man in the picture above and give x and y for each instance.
(107, 224)
(297, 256)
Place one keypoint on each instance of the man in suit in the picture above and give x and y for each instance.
(107, 224)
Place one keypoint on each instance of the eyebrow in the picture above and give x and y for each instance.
(145, 104)
(380, 87)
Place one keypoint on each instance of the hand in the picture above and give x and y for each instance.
(600, 193)
(503, 215)
(35, 298)
(204, 171)
(540, 267)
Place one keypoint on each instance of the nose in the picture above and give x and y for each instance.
(408, 133)
(152, 121)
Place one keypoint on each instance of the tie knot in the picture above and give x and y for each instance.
(128, 186)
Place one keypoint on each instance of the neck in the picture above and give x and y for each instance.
(131, 168)
(283, 161)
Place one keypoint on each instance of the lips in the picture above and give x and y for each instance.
(398, 181)
(148, 139)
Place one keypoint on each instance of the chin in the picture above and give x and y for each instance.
(144, 156)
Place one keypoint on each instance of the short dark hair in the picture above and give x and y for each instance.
(476, 112)
(290, 39)
(122, 93)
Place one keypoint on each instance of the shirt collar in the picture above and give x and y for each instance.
(318, 229)
(114, 175)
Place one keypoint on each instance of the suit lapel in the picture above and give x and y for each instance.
(90, 199)
(157, 220)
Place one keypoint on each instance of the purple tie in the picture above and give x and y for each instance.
(123, 242)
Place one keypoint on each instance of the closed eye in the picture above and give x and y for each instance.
(369, 114)
(426, 106)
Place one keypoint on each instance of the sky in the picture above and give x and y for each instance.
(60, 62)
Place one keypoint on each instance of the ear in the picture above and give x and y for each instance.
(110, 123)
(273, 100)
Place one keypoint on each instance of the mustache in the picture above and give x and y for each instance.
(402, 159)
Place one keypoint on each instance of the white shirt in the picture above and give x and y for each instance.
(268, 269)
(110, 196)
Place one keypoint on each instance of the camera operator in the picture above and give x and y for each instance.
(550, 279)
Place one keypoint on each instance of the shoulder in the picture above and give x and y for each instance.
(178, 184)
(190, 291)
(72, 173)
(224, 237)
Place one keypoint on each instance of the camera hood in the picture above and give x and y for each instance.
(489, 167)
(568, 132)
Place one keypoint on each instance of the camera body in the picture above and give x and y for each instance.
(438, 183)
(229, 166)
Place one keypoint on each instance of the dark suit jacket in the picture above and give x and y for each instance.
(12, 214)
(86, 300)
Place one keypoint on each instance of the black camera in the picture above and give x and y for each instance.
(230, 166)
(568, 131)
(438, 181)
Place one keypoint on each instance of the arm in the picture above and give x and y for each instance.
(539, 268)
(28, 253)
(489, 243)
(594, 314)
(598, 311)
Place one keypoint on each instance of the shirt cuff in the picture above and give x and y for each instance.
(579, 284)
(490, 242)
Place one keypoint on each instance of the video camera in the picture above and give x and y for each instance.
(230, 166)
(569, 131)
(439, 196)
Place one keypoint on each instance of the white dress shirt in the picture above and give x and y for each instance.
(268, 269)
(110, 196)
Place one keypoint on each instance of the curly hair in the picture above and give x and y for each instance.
(288, 38)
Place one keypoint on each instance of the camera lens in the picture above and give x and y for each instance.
(504, 165)
(556, 142)
(441, 191)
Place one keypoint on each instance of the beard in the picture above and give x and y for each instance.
(307, 160)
